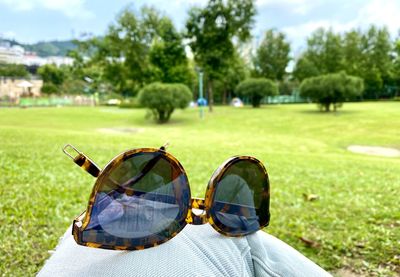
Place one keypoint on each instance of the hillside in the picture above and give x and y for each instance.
(46, 48)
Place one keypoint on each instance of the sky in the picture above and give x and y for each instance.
(30, 21)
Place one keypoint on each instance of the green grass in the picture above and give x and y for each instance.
(355, 222)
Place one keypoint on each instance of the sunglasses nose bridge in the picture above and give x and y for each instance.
(197, 204)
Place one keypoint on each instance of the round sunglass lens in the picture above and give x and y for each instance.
(241, 199)
(142, 201)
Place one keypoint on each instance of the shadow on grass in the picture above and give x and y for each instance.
(331, 113)
(150, 122)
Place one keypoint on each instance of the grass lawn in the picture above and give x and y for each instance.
(354, 224)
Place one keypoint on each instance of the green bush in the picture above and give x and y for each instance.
(49, 88)
(256, 89)
(130, 103)
(331, 89)
(72, 86)
(13, 70)
(163, 99)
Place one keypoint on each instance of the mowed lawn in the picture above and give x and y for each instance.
(355, 222)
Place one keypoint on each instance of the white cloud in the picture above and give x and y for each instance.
(70, 8)
(300, 7)
(380, 13)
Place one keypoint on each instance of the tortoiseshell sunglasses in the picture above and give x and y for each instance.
(142, 199)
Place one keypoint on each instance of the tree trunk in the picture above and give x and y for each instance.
(327, 107)
(224, 95)
(210, 96)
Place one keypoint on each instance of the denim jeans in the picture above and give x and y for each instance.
(196, 251)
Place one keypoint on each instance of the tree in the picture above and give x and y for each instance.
(73, 86)
(140, 48)
(324, 54)
(368, 55)
(233, 74)
(163, 99)
(396, 65)
(272, 56)
(378, 61)
(168, 57)
(13, 70)
(353, 53)
(211, 31)
(305, 69)
(256, 89)
(49, 88)
(331, 89)
(51, 74)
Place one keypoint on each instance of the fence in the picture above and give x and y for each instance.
(49, 101)
(280, 99)
(284, 99)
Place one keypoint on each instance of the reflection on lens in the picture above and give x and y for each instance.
(141, 201)
(241, 200)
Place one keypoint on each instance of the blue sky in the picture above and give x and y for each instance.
(35, 20)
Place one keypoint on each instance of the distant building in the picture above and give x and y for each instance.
(15, 88)
(11, 54)
(17, 55)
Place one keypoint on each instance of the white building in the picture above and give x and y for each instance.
(17, 55)
(15, 88)
(11, 54)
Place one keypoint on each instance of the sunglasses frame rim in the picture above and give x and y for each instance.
(213, 185)
(82, 221)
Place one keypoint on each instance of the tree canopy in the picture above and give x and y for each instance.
(256, 89)
(368, 55)
(139, 48)
(272, 56)
(331, 89)
(211, 31)
(163, 99)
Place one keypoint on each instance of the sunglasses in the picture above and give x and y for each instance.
(142, 199)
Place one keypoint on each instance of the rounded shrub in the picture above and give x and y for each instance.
(331, 89)
(256, 89)
(163, 99)
(49, 88)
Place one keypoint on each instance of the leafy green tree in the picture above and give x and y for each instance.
(73, 86)
(236, 72)
(331, 89)
(324, 54)
(168, 57)
(256, 89)
(13, 70)
(305, 69)
(140, 48)
(49, 88)
(163, 99)
(396, 65)
(378, 61)
(353, 53)
(52, 74)
(272, 56)
(211, 31)
(368, 55)
(287, 86)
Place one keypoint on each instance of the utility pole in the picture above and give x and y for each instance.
(200, 103)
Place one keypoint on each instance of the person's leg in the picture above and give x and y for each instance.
(273, 257)
(196, 251)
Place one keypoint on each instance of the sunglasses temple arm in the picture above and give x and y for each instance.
(82, 160)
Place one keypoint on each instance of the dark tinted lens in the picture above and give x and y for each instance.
(241, 199)
(141, 202)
